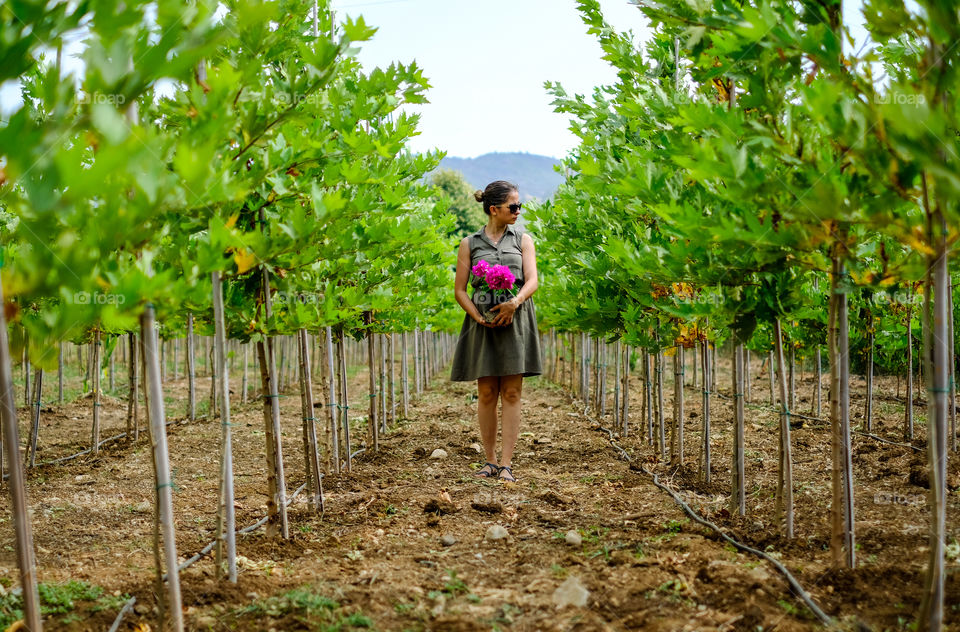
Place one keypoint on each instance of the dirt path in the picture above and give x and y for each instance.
(376, 558)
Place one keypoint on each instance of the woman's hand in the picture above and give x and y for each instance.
(505, 312)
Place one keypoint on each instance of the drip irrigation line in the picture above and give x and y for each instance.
(99, 445)
(882, 440)
(123, 611)
(798, 590)
(248, 529)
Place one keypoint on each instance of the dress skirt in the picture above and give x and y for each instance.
(497, 351)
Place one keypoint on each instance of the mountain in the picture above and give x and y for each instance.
(532, 173)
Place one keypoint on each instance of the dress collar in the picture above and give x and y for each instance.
(482, 233)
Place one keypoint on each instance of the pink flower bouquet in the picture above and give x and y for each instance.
(496, 281)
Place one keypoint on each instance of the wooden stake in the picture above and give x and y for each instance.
(226, 522)
(161, 464)
(20, 513)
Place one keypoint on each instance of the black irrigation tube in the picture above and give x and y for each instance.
(126, 608)
(794, 584)
(882, 440)
(102, 443)
(248, 529)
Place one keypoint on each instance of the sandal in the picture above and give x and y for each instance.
(492, 472)
(509, 478)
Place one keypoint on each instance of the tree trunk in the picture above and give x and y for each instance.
(161, 469)
(226, 522)
(773, 397)
(404, 375)
(625, 392)
(191, 372)
(818, 387)
(60, 373)
(868, 408)
(936, 357)
(373, 428)
(243, 382)
(20, 513)
(676, 431)
(706, 413)
(661, 425)
(95, 370)
(35, 425)
(746, 375)
(345, 407)
(738, 496)
(133, 425)
(841, 510)
(333, 431)
(952, 363)
(391, 351)
(784, 503)
(312, 461)
(908, 412)
(617, 361)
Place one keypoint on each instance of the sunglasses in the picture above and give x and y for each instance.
(514, 208)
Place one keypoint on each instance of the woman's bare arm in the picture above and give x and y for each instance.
(460, 284)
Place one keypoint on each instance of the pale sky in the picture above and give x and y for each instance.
(487, 61)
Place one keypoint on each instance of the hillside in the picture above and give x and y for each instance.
(534, 174)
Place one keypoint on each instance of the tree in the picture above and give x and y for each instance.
(456, 194)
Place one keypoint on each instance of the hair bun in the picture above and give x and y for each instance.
(478, 195)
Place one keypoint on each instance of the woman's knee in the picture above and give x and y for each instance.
(488, 393)
(510, 394)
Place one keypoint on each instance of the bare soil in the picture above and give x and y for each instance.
(374, 559)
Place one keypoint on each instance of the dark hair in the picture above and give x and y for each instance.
(495, 194)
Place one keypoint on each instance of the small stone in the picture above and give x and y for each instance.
(438, 454)
(253, 596)
(380, 533)
(571, 593)
(206, 622)
(496, 532)
(448, 540)
(477, 448)
(141, 609)
(543, 441)
(573, 538)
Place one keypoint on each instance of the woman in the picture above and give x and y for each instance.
(498, 354)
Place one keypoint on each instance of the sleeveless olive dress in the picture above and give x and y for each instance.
(495, 351)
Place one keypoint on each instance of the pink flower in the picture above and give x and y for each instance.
(500, 278)
(481, 269)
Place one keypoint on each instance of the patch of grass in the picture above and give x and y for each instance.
(592, 535)
(558, 571)
(454, 585)
(793, 610)
(110, 602)
(301, 600)
(60, 598)
(404, 608)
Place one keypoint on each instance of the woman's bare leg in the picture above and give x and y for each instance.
(488, 392)
(511, 387)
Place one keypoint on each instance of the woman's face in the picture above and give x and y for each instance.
(504, 212)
